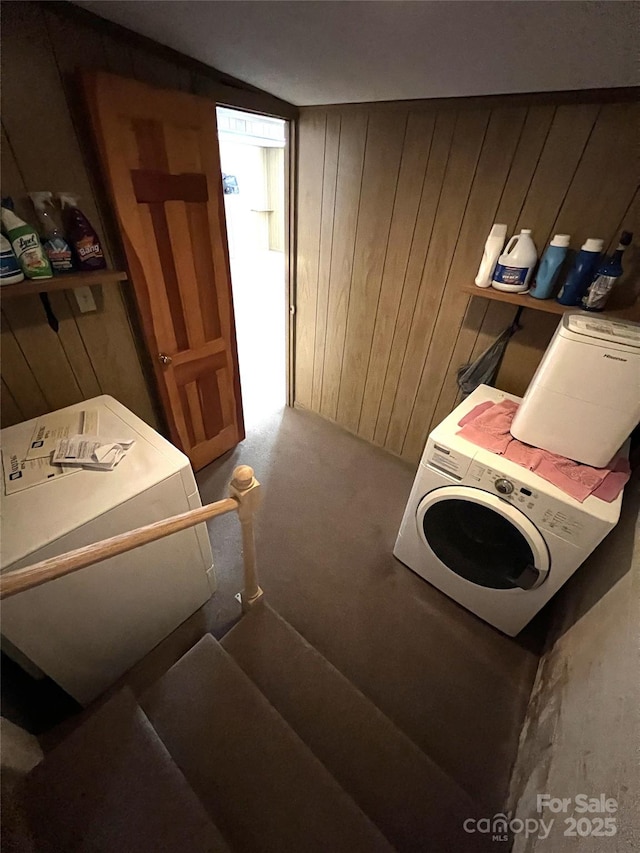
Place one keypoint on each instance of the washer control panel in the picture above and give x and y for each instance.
(545, 512)
(505, 487)
(494, 481)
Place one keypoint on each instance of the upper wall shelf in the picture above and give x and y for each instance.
(550, 306)
(61, 282)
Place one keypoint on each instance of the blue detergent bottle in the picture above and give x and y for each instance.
(549, 268)
(582, 272)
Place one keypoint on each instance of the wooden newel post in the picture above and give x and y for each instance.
(246, 490)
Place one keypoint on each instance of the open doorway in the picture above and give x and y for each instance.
(252, 158)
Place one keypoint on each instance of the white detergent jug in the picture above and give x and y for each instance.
(515, 265)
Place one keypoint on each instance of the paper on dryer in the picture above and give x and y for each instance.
(20, 473)
(49, 429)
(90, 451)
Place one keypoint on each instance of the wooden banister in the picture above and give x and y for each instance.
(244, 498)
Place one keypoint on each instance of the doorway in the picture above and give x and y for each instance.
(252, 159)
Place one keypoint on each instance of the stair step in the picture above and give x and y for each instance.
(262, 786)
(112, 785)
(413, 802)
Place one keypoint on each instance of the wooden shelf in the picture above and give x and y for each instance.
(61, 282)
(521, 300)
(549, 306)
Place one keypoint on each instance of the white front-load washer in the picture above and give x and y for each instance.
(492, 535)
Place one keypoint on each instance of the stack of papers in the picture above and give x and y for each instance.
(89, 451)
(61, 444)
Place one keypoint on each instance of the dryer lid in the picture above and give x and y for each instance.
(604, 329)
(482, 538)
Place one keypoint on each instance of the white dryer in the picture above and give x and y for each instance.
(492, 535)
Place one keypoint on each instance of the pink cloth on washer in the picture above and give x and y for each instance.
(488, 425)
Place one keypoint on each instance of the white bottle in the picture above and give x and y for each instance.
(492, 249)
(515, 265)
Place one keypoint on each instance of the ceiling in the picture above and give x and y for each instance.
(340, 52)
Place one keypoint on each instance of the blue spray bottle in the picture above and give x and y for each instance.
(549, 268)
(582, 272)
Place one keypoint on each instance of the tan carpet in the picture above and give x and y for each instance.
(332, 508)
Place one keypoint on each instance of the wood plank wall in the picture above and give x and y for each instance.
(46, 146)
(395, 202)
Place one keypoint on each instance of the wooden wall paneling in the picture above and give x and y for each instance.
(525, 349)
(486, 318)
(108, 335)
(44, 353)
(564, 146)
(413, 166)
(465, 150)
(410, 289)
(311, 147)
(329, 187)
(63, 352)
(453, 339)
(499, 315)
(156, 70)
(117, 54)
(19, 377)
(353, 137)
(9, 411)
(605, 180)
(626, 293)
(385, 140)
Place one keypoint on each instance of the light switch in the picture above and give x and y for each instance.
(85, 299)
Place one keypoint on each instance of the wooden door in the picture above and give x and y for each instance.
(159, 151)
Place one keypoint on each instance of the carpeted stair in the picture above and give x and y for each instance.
(253, 745)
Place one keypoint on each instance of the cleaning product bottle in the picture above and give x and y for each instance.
(606, 275)
(492, 248)
(81, 234)
(547, 274)
(56, 247)
(9, 269)
(26, 243)
(581, 273)
(516, 263)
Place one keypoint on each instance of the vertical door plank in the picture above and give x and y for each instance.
(385, 139)
(170, 333)
(195, 408)
(311, 141)
(19, 377)
(353, 136)
(329, 187)
(429, 201)
(180, 238)
(465, 150)
(415, 157)
(9, 410)
(438, 386)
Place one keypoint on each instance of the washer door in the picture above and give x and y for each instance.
(482, 538)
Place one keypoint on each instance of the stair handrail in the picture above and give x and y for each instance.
(244, 491)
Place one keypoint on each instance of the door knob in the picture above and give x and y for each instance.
(163, 358)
